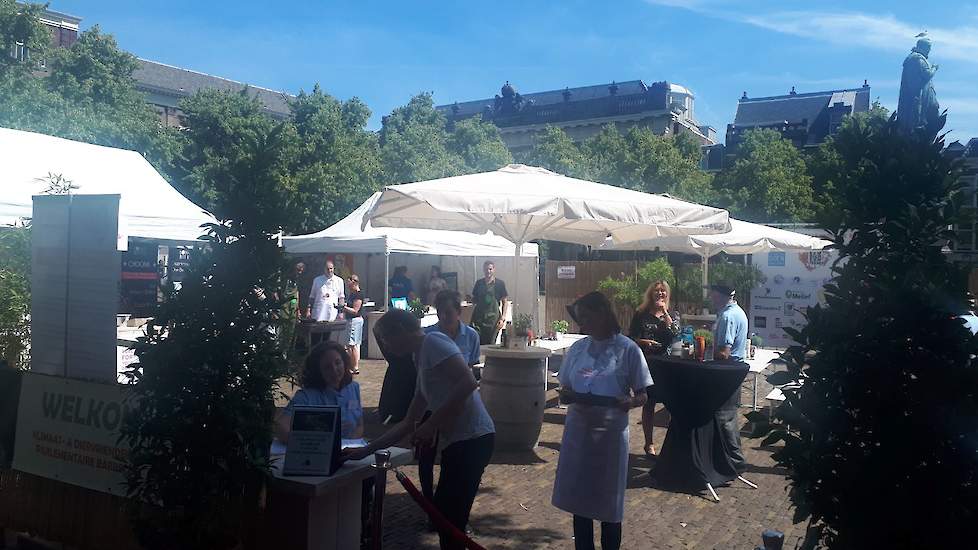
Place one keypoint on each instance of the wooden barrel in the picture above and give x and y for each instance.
(514, 388)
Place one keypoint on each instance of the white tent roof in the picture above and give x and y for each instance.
(743, 238)
(524, 203)
(346, 236)
(149, 207)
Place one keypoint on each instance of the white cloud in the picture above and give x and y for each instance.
(846, 28)
(959, 105)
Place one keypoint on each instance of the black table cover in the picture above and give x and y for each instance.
(694, 452)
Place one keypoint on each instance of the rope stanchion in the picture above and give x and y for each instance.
(444, 526)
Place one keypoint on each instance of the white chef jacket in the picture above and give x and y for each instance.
(325, 295)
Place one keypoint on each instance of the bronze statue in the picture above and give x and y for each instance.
(918, 107)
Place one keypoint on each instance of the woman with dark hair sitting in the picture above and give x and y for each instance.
(327, 381)
(602, 377)
(458, 421)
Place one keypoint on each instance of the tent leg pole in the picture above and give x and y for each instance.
(387, 277)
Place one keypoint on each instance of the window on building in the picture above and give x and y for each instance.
(20, 52)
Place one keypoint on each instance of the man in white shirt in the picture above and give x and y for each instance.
(327, 292)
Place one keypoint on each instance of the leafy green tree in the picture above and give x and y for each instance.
(769, 181)
(478, 145)
(879, 423)
(337, 165)
(88, 95)
(555, 151)
(414, 143)
(643, 161)
(838, 156)
(203, 395)
(417, 144)
(21, 27)
(15, 296)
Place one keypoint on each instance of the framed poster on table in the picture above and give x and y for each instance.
(314, 442)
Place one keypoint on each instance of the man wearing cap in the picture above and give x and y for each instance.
(729, 343)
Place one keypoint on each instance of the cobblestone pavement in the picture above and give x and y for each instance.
(513, 507)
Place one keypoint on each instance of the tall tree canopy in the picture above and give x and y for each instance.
(769, 181)
(327, 164)
(88, 93)
(637, 159)
(417, 144)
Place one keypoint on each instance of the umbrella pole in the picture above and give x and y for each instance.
(516, 285)
(706, 279)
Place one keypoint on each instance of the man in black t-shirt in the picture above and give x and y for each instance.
(489, 296)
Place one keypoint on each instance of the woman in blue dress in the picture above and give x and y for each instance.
(603, 376)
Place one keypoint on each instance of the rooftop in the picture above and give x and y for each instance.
(797, 108)
(179, 82)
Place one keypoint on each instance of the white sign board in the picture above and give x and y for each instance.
(75, 268)
(68, 430)
(791, 283)
(567, 272)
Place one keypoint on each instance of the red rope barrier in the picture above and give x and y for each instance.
(439, 520)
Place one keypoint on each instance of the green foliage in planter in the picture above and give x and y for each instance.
(207, 377)
(521, 326)
(629, 291)
(707, 336)
(689, 285)
(15, 296)
(560, 325)
(881, 426)
(418, 308)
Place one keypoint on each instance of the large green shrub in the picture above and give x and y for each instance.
(689, 286)
(630, 290)
(207, 377)
(880, 427)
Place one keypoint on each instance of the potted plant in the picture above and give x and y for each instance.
(559, 328)
(521, 330)
(417, 308)
(707, 339)
(755, 342)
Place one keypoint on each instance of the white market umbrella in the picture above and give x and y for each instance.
(743, 238)
(524, 203)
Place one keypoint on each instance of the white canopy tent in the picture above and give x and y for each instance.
(743, 238)
(525, 203)
(350, 236)
(149, 207)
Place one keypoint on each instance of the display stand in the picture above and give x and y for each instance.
(320, 513)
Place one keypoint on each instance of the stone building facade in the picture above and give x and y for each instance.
(164, 85)
(665, 108)
(806, 119)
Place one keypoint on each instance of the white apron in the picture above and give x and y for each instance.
(593, 466)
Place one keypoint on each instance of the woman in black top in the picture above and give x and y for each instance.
(654, 330)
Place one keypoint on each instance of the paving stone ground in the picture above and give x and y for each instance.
(513, 507)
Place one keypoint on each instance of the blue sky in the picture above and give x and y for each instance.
(384, 52)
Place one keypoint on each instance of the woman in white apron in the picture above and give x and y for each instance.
(602, 377)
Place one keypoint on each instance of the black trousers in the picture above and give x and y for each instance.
(462, 465)
(584, 534)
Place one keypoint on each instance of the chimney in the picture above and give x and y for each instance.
(743, 97)
(566, 94)
(792, 92)
(613, 89)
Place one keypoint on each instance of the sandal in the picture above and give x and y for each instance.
(650, 450)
